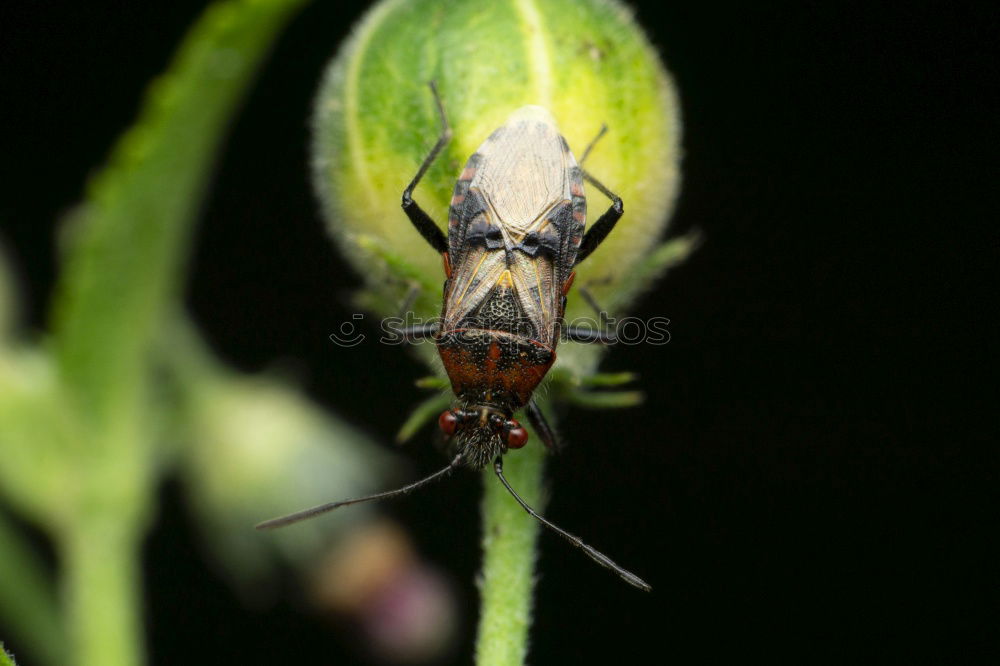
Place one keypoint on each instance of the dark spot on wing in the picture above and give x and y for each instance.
(545, 243)
(482, 233)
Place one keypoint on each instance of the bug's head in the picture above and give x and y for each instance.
(481, 433)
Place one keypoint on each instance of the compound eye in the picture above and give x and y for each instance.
(516, 436)
(448, 422)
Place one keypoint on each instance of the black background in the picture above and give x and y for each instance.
(810, 477)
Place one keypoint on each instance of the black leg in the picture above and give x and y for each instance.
(542, 426)
(419, 331)
(421, 220)
(600, 230)
(579, 334)
(395, 332)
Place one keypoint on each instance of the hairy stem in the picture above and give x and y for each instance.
(102, 589)
(510, 538)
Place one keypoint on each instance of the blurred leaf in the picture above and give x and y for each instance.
(664, 256)
(601, 379)
(8, 301)
(259, 450)
(37, 428)
(131, 237)
(433, 383)
(77, 425)
(607, 399)
(6, 659)
(423, 414)
(29, 608)
(255, 448)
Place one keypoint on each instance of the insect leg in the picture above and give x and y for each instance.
(420, 331)
(597, 233)
(593, 142)
(588, 296)
(592, 553)
(580, 334)
(409, 299)
(421, 220)
(398, 332)
(542, 426)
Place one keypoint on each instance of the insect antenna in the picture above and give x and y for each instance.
(323, 508)
(593, 554)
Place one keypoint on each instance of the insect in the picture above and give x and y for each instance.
(515, 233)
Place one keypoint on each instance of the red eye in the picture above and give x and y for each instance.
(447, 422)
(516, 437)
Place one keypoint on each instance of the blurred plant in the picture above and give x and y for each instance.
(122, 391)
(375, 120)
(400, 605)
(5, 658)
(8, 301)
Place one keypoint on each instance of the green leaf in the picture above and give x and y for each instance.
(37, 430)
(421, 415)
(254, 448)
(28, 605)
(607, 399)
(432, 383)
(131, 235)
(8, 301)
(6, 658)
(604, 379)
(123, 257)
(644, 275)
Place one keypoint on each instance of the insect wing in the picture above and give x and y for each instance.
(516, 222)
(474, 276)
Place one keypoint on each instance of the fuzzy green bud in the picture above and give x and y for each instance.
(584, 60)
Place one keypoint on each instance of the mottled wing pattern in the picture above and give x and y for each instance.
(518, 206)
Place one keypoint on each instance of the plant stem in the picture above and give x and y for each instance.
(510, 539)
(102, 589)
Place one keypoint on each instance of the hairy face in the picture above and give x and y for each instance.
(479, 445)
(481, 433)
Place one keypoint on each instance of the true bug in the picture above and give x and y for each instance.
(515, 232)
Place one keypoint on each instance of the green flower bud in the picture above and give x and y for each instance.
(584, 60)
(248, 438)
